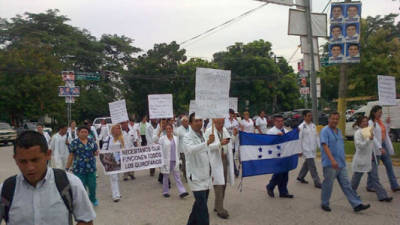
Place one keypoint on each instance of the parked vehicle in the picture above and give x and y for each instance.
(392, 111)
(28, 125)
(7, 133)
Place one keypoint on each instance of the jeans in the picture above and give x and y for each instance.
(376, 185)
(309, 165)
(341, 175)
(387, 162)
(199, 214)
(280, 179)
(89, 182)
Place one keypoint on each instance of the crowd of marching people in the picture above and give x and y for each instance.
(206, 152)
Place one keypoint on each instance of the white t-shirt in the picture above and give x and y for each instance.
(248, 126)
(262, 124)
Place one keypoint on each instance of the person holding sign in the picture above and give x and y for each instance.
(221, 165)
(170, 145)
(112, 161)
(130, 136)
(362, 162)
(383, 147)
(232, 125)
(197, 151)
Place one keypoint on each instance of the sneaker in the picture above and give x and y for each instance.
(270, 193)
(318, 186)
(361, 207)
(132, 177)
(286, 196)
(388, 199)
(166, 195)
(223, 215)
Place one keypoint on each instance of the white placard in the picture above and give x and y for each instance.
(192, 106)
(298, 24)
(118, 111)
(387, 90)
(160, 106)
(212, 93)
(233, 104)
(307, 62)
(132, 159)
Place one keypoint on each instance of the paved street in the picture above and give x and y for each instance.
(143, 204)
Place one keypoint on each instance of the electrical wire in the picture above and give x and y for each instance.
(223, 25)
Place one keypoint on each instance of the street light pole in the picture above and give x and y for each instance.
(307, 6)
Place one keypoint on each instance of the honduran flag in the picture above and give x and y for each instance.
(265, 154)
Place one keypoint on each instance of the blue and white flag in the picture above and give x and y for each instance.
(265, 154)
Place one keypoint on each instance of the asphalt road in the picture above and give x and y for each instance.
(143, 204)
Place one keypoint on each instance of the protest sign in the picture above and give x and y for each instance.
(131, 159)
(212, 93)
(160, 106)
(192, 106)
(387, 90)
(118, 111)
(233, 104)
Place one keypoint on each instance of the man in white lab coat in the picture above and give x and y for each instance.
(197, 153)
(221, 165)
(309, 141)
(278, 179)
(59, 148)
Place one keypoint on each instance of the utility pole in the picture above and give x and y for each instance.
(307, 6)
(342, 104)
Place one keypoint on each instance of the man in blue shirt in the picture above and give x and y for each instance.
(334, 165)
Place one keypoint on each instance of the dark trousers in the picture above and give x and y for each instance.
(280, 179)
(199, 214)
(236, 170)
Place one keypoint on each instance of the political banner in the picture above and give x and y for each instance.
(68, 91)
(118, 111)
(233, 104)
(131, 159)
(344, 38)
(68, 75)
(160, 106)
(387, 90)
(212, 93)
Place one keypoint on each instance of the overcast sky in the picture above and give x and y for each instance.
(156, 21)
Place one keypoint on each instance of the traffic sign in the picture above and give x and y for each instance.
(87, 76)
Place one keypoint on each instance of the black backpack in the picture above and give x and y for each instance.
(63, 187)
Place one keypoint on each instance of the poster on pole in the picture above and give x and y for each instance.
(192, 106)
(160, 106)
(118, 111)
(132, 159)
(233, 104)
(212, 93)
(68, 91)
(387, 90)
(70, 99)
(345, 30)
(68, 75)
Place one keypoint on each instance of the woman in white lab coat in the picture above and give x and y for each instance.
(247, 124)
(72, 132)
(364, 160)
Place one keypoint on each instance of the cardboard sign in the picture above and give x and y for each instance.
(387, 90)
(192, 106)
(212, 93)
(131, 159)
(233, 104)
(160, 106)
(118, 111)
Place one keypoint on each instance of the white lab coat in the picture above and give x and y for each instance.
(93, 129)
(217, 169)
(104, 132)
(47, 137)
(60, 151)
(230, 125)
(180, 132)
(378, 138)
(248, 126)
(198, 161)
(70, 136)
(262, 124)
(149, 132)
(362, 157)
(309, 139)
(276, 131)
(166, 149)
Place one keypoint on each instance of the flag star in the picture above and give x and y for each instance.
(270, 152)
(279, 154)
(278, 147)
(259, 156)
(260, 149)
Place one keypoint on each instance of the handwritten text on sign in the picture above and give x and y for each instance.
(118, 111)
(160, 106)
(131, 159)
(387, 90)
(212, 93)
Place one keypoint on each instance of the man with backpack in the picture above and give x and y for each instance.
(41, 195)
